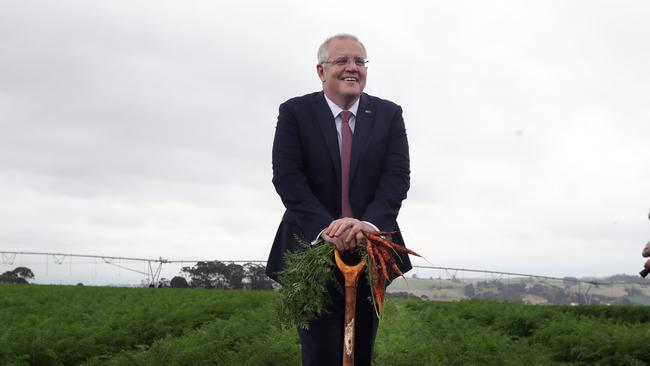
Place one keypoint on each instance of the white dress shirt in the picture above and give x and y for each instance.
(336, 112)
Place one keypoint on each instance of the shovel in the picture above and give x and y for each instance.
(351, 275)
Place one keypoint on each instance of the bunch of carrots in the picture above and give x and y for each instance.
(379, 259)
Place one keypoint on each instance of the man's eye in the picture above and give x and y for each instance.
(341, 61)
(359, 62)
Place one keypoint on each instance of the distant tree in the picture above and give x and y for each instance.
(560, 297)
(8, 277)
(402, 295)
(23, 272)
(207, 274)
(513, 292)
(18, 275)
(163, 282)
(256, 274)
(537, 289)
(569, 281)
(625, 301)
(499, 285)
(178, 282)
(516, 287)
(235, 276)
(469, 290)
(215, 274)
(633, 291)
(222, 274)
(622, 278)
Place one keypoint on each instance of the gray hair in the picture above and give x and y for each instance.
(322, 50)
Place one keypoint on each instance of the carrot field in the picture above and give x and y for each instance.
(80, 325)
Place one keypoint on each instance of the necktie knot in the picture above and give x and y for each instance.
(345, 116)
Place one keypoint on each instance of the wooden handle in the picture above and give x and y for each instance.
(351, 275)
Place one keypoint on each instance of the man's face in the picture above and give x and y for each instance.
(343, 82)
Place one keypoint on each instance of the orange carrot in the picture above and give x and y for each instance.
(375, 278)
(389, 259)
(369, 250)
(372, 262)
(398, 248)
(378, 288)
(388, 233)
(382, 261)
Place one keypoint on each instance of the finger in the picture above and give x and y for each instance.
(352, 233)
(339, 245)
(340, 227)
(337, 227)
(351, 245)
(348, 234)
(359, 238)
(329, 228)
(345, 225)
(348, 245)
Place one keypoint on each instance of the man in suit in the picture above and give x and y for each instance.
(341, 168)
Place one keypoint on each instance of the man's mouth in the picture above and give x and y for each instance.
(350, 79)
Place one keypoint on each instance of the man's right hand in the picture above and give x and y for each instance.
(340, 242)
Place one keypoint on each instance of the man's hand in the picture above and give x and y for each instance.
(341, 245)
(346, 233)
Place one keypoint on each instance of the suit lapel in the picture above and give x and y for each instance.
(328, 128)
(362, 129)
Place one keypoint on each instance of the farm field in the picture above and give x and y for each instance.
(77, 325)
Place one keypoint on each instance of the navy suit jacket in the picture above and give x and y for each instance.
(307, 170)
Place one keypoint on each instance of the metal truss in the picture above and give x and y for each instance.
(153, 267)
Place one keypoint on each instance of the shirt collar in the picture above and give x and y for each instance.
(336, 109)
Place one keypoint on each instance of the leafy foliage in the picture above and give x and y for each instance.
(65, 325)
(18, 275)
(308, 274)
(216, 274)
(82, 325)
(178, 282)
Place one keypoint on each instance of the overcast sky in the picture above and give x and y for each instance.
(144, 128)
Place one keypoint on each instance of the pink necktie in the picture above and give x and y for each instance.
(346, 149)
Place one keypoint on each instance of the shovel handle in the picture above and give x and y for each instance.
(351, 275)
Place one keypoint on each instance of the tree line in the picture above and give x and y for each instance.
(219, 275)
(205, 274)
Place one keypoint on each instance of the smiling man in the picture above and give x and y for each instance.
(346, 79)
(341, 168)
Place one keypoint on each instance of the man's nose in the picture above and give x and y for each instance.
(351, 67)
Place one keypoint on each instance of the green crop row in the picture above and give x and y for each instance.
(66, 325)
(474, 332)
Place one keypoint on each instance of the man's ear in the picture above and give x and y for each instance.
(321, 72)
